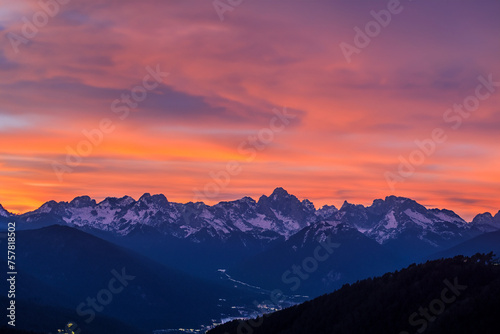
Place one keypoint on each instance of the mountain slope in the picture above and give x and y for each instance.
(485, 243)
(319, 258)
(3, 212)
(459, 295)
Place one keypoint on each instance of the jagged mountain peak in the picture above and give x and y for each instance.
(392, 202)
(356, 215)
(346, 205)
(278, 193)
(279, 199)
(308, 204)
(398, 199)
(145, 196)
(496, 218)
(49, 206)
(327, 212)
(396, 217)
(158, 199)
(286, 211)
(486, 222)
(247, 199)
(242, 201)
(82, 201)
(328, 207)
(483, 216)
(117, 202)
(4, 213)
(381, 206)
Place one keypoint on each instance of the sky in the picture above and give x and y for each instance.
(216, 100)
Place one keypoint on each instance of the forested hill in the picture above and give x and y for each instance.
(458, 295)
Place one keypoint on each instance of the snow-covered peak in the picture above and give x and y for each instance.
(48, 207)
(356, 215)
(327, 212)
(247, 200)
(158, 200)
(390, 218)
(279, 196)
(279, 193)
(242, 203)
(308, 205)
(396, 200)
(407, 216)
(117, 202)
(4, 213)
(346, 205)
(82, 201)
(381, 206)
(486, 222)
(144, 197)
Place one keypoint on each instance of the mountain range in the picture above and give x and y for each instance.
(229, 233)
(271, 218)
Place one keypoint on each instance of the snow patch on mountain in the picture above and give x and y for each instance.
(418, 218)
(290, 225)
(391, 220)
(261, 222)
(447, 218)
